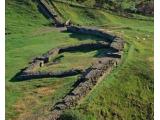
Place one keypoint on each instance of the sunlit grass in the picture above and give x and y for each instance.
(127, 93)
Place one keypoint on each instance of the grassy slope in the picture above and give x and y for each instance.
(125, 4)
(81, 16)
(129, 88)
(127, 93)
(28, 33)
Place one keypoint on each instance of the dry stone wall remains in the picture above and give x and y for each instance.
(50, 13)
(88, 78)
(91, 76)
(30, 71)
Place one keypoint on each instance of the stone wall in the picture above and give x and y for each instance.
(30, 71)
(88, 80)
(89, 77)
(47, 11)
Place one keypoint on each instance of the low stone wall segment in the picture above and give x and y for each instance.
(88, 81)
(46, 9)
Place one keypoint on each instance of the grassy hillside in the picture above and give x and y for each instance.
(127, 93)
(145, 7)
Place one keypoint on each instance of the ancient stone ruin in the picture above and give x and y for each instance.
(31, 72)
(92, 75)
(89, 77)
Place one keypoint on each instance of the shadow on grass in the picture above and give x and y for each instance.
(46, 14)
(110, 52)
(82, 37)
(102, 51)
(14, 78)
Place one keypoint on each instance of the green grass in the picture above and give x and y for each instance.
(91, 17)
(81, 16)
(72, 60)
(127, 93)
(114, 4)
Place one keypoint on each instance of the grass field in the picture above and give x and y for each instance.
(127, 93)
(71, 60)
